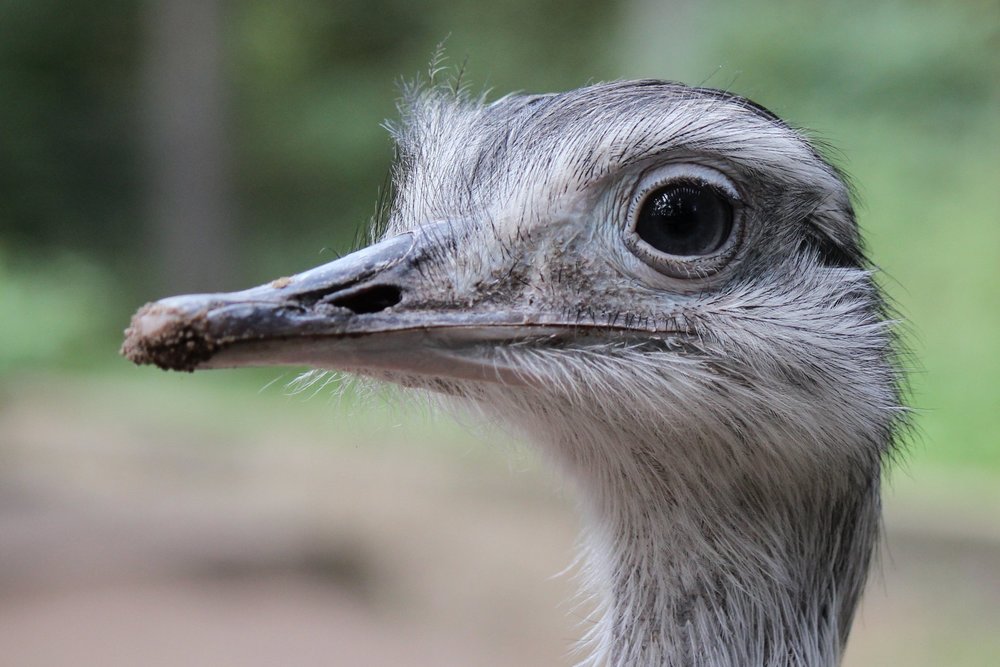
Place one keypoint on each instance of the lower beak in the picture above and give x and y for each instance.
(361, 313)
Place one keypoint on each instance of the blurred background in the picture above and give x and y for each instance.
(149, 148)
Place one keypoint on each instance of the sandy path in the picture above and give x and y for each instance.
(129, 536)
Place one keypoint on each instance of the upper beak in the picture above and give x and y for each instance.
(364, 313)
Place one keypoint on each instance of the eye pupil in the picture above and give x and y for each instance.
(686, 218)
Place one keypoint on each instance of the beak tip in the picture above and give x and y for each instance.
(167, 337)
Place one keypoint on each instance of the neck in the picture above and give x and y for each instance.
(705, 548)
(707, 573)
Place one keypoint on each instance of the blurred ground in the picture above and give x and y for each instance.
(166, 521)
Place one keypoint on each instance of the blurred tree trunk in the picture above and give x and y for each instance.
(190, 212)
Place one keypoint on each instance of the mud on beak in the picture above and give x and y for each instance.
(363, 313)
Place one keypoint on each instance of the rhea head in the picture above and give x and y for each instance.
(664, 287)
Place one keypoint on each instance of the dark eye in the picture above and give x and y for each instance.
(686, 218)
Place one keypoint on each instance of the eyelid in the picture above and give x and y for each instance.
(662, 175)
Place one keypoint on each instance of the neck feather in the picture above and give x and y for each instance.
(714, 538)
(731, 571)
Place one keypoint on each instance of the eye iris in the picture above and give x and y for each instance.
(686, 218)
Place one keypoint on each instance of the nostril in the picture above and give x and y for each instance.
(367, 299)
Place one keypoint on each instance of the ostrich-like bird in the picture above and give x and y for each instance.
(665, 288)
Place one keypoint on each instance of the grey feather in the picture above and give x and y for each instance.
(730, 478)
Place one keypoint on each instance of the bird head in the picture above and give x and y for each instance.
(670, 264)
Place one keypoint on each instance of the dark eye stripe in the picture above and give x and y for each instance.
(835, 255)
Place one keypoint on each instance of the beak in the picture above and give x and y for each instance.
(363, 313)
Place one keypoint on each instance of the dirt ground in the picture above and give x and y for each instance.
(140, 529)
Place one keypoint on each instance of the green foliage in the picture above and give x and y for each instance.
(68, 159)
(923, 62)
(55, 313)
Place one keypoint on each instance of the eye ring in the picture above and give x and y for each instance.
(684, 220)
